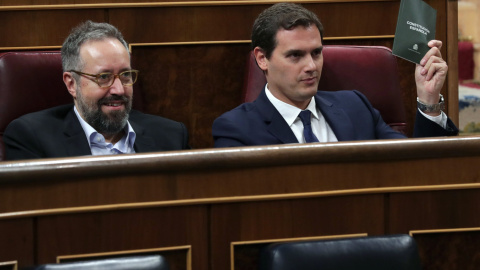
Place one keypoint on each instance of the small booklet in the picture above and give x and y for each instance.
(415, 28)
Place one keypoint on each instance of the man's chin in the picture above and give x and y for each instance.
(113, 123)
(310, 91)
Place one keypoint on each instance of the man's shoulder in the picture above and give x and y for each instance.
(155, 123)
(338, 94)
(247, 107)
(241, 113)
(58, 112)
(37, 130)
(141, 117)
(342, 97)
(167, 133)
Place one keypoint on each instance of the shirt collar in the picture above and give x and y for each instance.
(289, 112)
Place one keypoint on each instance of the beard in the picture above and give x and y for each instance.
(111, 123)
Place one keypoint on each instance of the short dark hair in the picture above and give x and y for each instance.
(281, 15)
(82, 33)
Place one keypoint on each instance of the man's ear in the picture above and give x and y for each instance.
(261, 58)
(70, 83)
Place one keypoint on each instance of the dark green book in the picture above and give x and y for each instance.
(415, 28)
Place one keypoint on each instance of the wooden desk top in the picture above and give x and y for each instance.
(237, 174)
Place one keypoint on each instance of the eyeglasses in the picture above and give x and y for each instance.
(106, 79)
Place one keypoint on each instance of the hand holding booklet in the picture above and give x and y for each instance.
(415, 28)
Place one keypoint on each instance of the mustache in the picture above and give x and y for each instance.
(113, 98)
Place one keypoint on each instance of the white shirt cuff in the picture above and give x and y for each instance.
(440, 119)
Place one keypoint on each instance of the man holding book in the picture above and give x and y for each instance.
(287, 41)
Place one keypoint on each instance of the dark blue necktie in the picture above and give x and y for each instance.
(305, 116)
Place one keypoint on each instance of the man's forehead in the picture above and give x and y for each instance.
(311, 27)
(109, 50)
(102, 43)
(299, 38)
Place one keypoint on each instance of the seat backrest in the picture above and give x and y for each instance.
(150, 262)
(31, 81)
(371, 70)
(394, 252)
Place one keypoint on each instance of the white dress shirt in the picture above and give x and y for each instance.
(320, 127)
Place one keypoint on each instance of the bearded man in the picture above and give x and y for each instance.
(98, 74)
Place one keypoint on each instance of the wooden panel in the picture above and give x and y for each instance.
(449, 250)
(41, 27)
(17, 242)
(289, 219)
(225, 21)
(12, 265)
(188, 23)
(345, 19)
(452, 59)
(444, 209)
(193, 84)
(440, 210)
(244, 171)
(210, 199)
(185, 24)
(114, 231)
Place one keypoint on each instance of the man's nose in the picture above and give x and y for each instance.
(310, 64)
(117, 87)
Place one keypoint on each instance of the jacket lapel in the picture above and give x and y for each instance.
(276, 125)
(75, 140)
(336, 117)
(143, 143)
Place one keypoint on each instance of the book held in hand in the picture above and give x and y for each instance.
(415, 28)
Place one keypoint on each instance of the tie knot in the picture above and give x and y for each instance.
(305, 116)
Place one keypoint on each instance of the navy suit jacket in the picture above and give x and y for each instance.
(349, 114)
(56, 132)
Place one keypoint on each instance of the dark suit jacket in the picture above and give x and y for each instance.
(56, 132)
(349, 114)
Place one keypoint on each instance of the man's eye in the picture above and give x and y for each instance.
(104, 76)
(317, 52)
(294, 56)
(126, 74)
